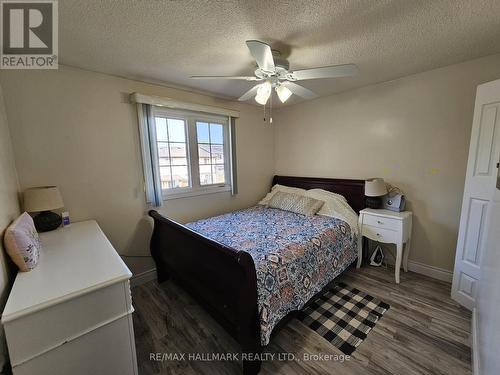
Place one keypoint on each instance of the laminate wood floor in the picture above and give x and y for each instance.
(424, 332)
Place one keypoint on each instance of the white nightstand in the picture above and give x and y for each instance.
(387, 227)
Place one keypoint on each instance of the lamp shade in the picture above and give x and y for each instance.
(375, 187)
(43, 198)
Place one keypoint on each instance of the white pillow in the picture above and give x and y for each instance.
(282, 188)
(335, 206)
(327, 194)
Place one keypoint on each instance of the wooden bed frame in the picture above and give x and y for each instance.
(223, 280)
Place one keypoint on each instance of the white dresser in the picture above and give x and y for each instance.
(72, 314)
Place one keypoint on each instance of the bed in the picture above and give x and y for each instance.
(253, 269)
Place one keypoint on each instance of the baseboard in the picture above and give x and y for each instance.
(417, 267)
(423, 269)
(474, 344)
(431, 271)
(143, 277)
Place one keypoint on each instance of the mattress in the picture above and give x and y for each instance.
(295, 255)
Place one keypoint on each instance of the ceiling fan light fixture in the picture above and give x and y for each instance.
(261, 99)
(272, 69)
(283, 93)
(263, 93)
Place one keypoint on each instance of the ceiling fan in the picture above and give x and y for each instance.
(274, 71)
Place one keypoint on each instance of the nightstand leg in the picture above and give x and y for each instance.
(407, 251)
(399, 254)
(360, 241)
(360, 251)
(405, 256)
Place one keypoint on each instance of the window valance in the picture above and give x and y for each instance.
(177, 104)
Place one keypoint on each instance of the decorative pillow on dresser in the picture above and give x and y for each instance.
(22, 243)
(299, 204)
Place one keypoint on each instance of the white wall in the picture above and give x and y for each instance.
(9, 210)
(414, 132)
(76, 129)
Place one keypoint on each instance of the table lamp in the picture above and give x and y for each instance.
(375, 189)
(43, 199)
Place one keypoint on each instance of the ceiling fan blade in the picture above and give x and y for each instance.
(299, 90)
(262, 53)
(243, 78)
(249, 94)
(326, 72)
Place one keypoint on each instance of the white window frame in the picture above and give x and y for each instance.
(191, 118)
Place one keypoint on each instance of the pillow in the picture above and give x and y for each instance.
(22, 243)
(325, 194)
(335, 206)
(299, 204)
(276, 188)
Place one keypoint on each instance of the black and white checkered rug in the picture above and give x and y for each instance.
(344, 316)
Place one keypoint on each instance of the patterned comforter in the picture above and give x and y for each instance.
(295, 256)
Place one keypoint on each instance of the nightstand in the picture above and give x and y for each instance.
(387, 227)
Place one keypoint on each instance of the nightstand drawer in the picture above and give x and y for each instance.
(379, 234)
(382, 222)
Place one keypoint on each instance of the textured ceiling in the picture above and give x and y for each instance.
(170, 40)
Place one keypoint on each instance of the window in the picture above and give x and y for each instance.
(193, 152)
(172, 152)
(210, 138)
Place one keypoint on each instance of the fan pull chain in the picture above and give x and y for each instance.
(264, 108)
(271, 108)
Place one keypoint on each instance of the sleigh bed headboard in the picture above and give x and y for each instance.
(352, 190)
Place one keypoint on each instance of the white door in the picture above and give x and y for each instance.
(487, 329)
(480, 182)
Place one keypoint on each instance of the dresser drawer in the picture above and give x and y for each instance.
(34, 334)
(382, 222)
(379, 234)
(108, 350)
